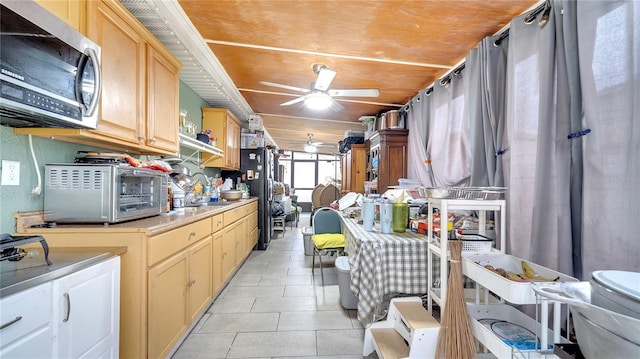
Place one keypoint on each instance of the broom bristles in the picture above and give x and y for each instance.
(455, 340)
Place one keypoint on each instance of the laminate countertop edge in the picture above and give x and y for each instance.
(33, 271)
(149, 226)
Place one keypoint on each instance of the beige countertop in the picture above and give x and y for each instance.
(150, 226)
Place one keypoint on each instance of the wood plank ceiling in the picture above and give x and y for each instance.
(398, 47)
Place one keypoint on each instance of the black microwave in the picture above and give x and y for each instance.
(49, 72)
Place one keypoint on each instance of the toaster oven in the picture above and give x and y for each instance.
(109, 193)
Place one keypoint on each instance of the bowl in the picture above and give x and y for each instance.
(231, 195)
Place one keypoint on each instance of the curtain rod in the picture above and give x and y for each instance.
(544, 6)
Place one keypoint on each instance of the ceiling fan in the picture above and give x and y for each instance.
(320, 97)
(312, 146)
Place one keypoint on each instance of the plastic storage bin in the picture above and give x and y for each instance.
(307, 232)
(347, 298)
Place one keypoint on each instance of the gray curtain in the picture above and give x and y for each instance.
(485, 74)
(608, 43)
(417, 111)
(448, 134)
(537, 160)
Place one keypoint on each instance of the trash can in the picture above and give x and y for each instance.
(347, 298)
(307, 232)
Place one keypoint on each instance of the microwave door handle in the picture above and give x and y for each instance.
(93, 55)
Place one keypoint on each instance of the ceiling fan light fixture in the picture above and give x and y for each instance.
(310, 148)
(318, 101)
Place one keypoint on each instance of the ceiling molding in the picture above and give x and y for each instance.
(308, 118)
(350, 57)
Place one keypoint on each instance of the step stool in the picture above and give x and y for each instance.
(279, 225)
(408, 332)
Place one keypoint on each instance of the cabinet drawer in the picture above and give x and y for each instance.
(233, 215)
(217, 222)
(253, 220)
(251, 207)
(166, 244)
(29, 310)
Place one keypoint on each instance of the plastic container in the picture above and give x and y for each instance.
(386, 216)
(618, 291)
(348, 300)
(307, 232)
(368, 214)
(400, 217)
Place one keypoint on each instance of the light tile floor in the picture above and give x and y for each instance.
(275, 308)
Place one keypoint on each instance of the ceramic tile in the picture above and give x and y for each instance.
(205, 346)
(261, 271)
(260, 291)
(340, 342)
(241, 322)
(273, 344)
(286, 280)
(284, 304)
(314, 320)
(242, 280)
(353, 314)
(297, 270)
(310, 290)
(232, 305)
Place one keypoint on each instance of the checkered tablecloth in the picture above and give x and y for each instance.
(384, 264)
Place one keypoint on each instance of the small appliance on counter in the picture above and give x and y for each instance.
(102, 193)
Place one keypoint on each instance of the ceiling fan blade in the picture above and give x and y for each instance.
(325, 76)
(355, 93)
(335, 105)
(286, 87)
(316, 143)
(295, 100)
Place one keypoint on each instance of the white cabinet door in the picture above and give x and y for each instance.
(25, 319)
(87, 312)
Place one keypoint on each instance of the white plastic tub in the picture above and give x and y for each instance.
(511, 291)
(618, 291)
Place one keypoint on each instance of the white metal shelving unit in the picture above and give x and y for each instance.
(440, 250)
(199, 147)
(508, 291)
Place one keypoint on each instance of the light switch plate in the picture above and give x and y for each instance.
(10, 173)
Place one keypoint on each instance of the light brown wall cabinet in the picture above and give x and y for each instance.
(354, 164)
(170, 278)
(390, 147)
(140, 93)
(226, 128)
(73, 12)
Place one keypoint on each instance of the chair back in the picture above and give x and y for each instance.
(315, 196)
(329, 194)
(326, 220)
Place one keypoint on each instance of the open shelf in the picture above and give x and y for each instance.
(199, 147)
(495, 344)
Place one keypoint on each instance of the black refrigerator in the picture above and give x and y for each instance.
(257, 167)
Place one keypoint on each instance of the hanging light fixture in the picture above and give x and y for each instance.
(310, 148)
(318, 101)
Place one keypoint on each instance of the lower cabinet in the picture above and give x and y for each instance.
(76, 316)
(180, 289)
(87, 308)
(170, 277)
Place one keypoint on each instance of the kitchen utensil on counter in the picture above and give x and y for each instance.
(231, 195)
(184, 182)
(180, 168)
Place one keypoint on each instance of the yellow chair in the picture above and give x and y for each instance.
(327, 235)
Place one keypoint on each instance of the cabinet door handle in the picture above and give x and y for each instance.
(191, 283)
(192, 234)
(10, 323)
(67, 300)
(153, 140)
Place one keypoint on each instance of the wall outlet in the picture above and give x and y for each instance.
(10, 173)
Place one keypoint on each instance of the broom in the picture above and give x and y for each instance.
(455, 340)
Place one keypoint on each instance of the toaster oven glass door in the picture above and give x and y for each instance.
(139, 195)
